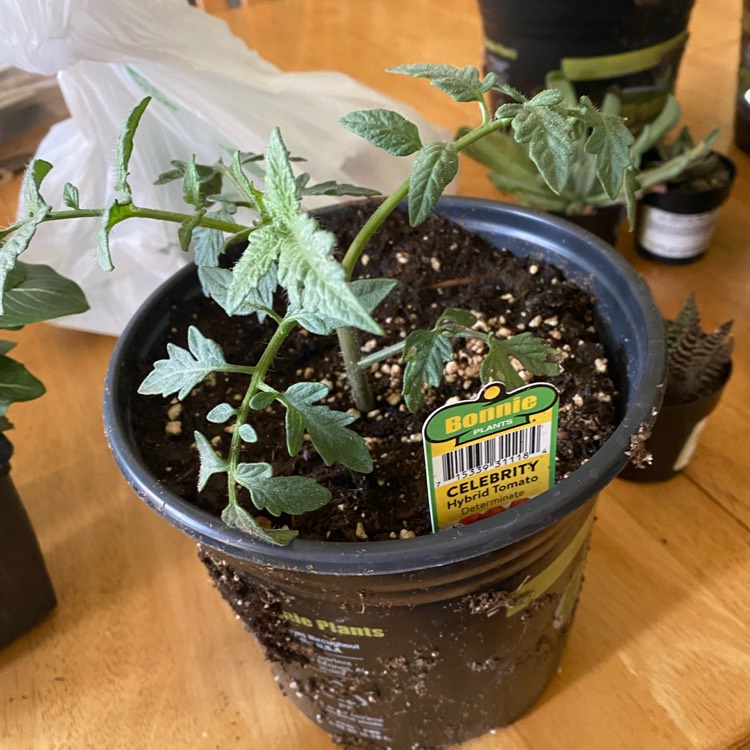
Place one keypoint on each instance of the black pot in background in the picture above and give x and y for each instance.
(26, 594)
(604, 222)
(631, 47)
(675, 436)
(676, 226)
(432, 640)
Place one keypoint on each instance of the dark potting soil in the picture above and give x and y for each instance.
(437, 265)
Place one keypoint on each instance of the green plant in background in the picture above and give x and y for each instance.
(32, 293)
(697, 361)
(513, 169)
(286, 250)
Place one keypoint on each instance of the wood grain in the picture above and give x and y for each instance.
(141, 652)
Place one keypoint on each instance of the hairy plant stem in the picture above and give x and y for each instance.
(256, 384)
(348, 337)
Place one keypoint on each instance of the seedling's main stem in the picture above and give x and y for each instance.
(348, 337)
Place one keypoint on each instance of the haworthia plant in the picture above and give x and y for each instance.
(286, 250)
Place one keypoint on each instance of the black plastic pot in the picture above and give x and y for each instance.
(422, 642)
(628, 46)
(26, 594)
(604, 222)
(676, 226)
(675, 437)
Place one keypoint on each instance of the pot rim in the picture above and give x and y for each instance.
(595, 263)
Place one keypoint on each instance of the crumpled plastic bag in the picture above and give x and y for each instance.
(211, 95)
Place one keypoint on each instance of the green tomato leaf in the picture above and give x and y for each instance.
(185, 232)
(385, 129)
(210, 462)
(14, 244)
(535, 356)
(280, 199)
(71, 197)
(279, 495)
(17, 383)
(425, 355)
(547, 98)
(184, 369)
(239, 518)
(461, 84)
(326, 427)
(6, 346)
(33, 202)
(263, 400)
(221, 413)
(216, 283)
(241, 180)
(42, 294)
(111, 216)
(548, 134)
(610, 141)
(256, 264)
(454, 319)
(248, 434)
(434, 167)
(191, 185)
(125, 149)
(497, 367)
(330, 187)
(314, 281)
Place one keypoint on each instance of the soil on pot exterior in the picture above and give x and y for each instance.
(437, 265)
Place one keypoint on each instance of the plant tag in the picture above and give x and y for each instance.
(490, 454)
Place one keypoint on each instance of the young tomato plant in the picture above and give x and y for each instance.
(287, 250)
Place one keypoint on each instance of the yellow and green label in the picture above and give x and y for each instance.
(490, 454)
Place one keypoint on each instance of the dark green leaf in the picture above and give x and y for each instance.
(610, 141)
(371, 292)
(425, 355)
(12, 246)
(461, 84)
(434, 167)
(454, 318)
(386, 129)
(497, 367)
(125, 149)
(42, 294)
(17, 383)
(6, 346)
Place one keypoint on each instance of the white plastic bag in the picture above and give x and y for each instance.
(211, 95)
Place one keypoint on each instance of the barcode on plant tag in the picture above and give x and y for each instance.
(487, 454)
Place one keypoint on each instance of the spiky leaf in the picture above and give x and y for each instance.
(280, 198)
(124, 149)
(279, 495)
(385, 129)
(256, 263)
(461, 84)
(497, 367)
(535, 356)
(210, 462)
(184, 368)
(326, 427)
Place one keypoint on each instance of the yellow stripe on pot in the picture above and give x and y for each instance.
(509, 53)
(536, 586)
(620, 64)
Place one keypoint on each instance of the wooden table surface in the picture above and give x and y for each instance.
(141, 652)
